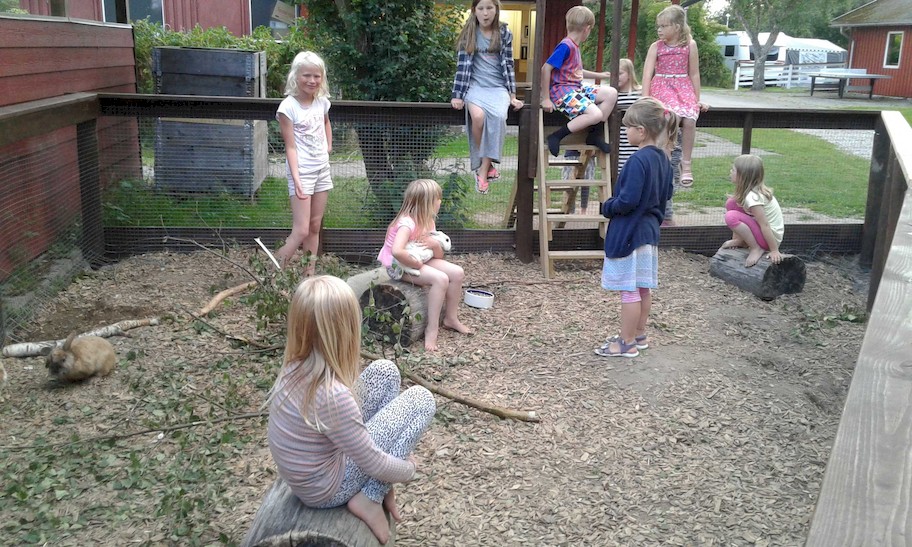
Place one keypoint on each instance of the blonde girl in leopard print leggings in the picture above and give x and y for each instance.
(337, 437)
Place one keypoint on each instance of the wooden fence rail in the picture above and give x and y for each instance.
(866, 495)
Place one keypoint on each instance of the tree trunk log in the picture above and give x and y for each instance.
(405, 304)
(765, 279)
(283, 520)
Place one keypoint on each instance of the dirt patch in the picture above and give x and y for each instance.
(718, 434)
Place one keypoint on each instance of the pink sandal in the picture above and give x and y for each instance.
(481, 184)
(687, 178)
(493, 174)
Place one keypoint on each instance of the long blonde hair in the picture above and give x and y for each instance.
(301, 60)
(626, 65)
(418, 203)
(660, 123)
(466, 40)
(749, 178)
(323, 343)
(675, 15)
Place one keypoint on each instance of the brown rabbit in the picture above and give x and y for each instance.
(81, 358)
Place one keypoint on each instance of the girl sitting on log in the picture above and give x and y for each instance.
(337, 437)
(414, 222)
(753, 214)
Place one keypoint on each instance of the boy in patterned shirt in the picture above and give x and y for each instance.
(587, 106)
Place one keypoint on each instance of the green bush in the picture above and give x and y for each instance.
(279, 54)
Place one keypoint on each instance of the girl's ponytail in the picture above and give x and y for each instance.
(660, 123)
(672, 121)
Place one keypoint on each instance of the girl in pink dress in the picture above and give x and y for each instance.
(672, 75)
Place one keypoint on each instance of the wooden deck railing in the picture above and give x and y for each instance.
(866, 495)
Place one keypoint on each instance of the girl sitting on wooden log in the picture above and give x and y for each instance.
(753, 214)
(414, 222)
(337, 437)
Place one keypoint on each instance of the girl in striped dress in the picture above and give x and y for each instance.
(628, 93)
(337, 437)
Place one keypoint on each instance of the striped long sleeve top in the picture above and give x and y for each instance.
(312, 462)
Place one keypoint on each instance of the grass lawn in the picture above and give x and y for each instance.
(803, 170)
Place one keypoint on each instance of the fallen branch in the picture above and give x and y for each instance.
(500, 412)
(33, 349)
(217, 299)
(162, 430)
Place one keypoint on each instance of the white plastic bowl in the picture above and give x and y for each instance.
(478, 298)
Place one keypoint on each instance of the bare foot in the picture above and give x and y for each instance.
(389, 503)
(457, 326)
(753, 257)
(733, 244)
(372, 514)
(430, 340)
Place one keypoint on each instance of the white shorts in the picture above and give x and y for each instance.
(313, 182)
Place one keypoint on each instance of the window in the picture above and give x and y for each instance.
(729, 51)
(57, 8)
(893, 49)
(115, 11)
(141, 9)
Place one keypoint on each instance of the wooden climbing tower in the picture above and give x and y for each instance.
(557, 195)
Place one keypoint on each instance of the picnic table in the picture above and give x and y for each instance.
(844, 76)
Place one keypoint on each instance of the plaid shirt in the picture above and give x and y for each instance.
(464, 66)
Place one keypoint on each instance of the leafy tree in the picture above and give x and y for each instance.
(815, 23)
(11, 6)
(389, 50)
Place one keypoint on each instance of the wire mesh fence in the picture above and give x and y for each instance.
(221, 166)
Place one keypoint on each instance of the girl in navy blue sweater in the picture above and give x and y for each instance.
(636, 209)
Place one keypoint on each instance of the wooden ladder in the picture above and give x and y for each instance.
(551, 217)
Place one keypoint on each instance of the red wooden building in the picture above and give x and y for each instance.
(43, 58)
(881, 43)
(238, 16)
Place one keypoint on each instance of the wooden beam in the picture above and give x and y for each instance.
(866, 495)
(25, 120)
(877, 180)
(632, 33)
(92, 241)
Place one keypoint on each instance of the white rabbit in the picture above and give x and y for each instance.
(422, 254)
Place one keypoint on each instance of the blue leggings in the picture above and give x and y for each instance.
(395, 422)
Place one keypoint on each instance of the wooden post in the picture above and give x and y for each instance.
(877, 179)
(891, 199)
(524, 182)
(283, 520)
(765, 279)
(632, 33)
(747, 133)
(90, 193)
